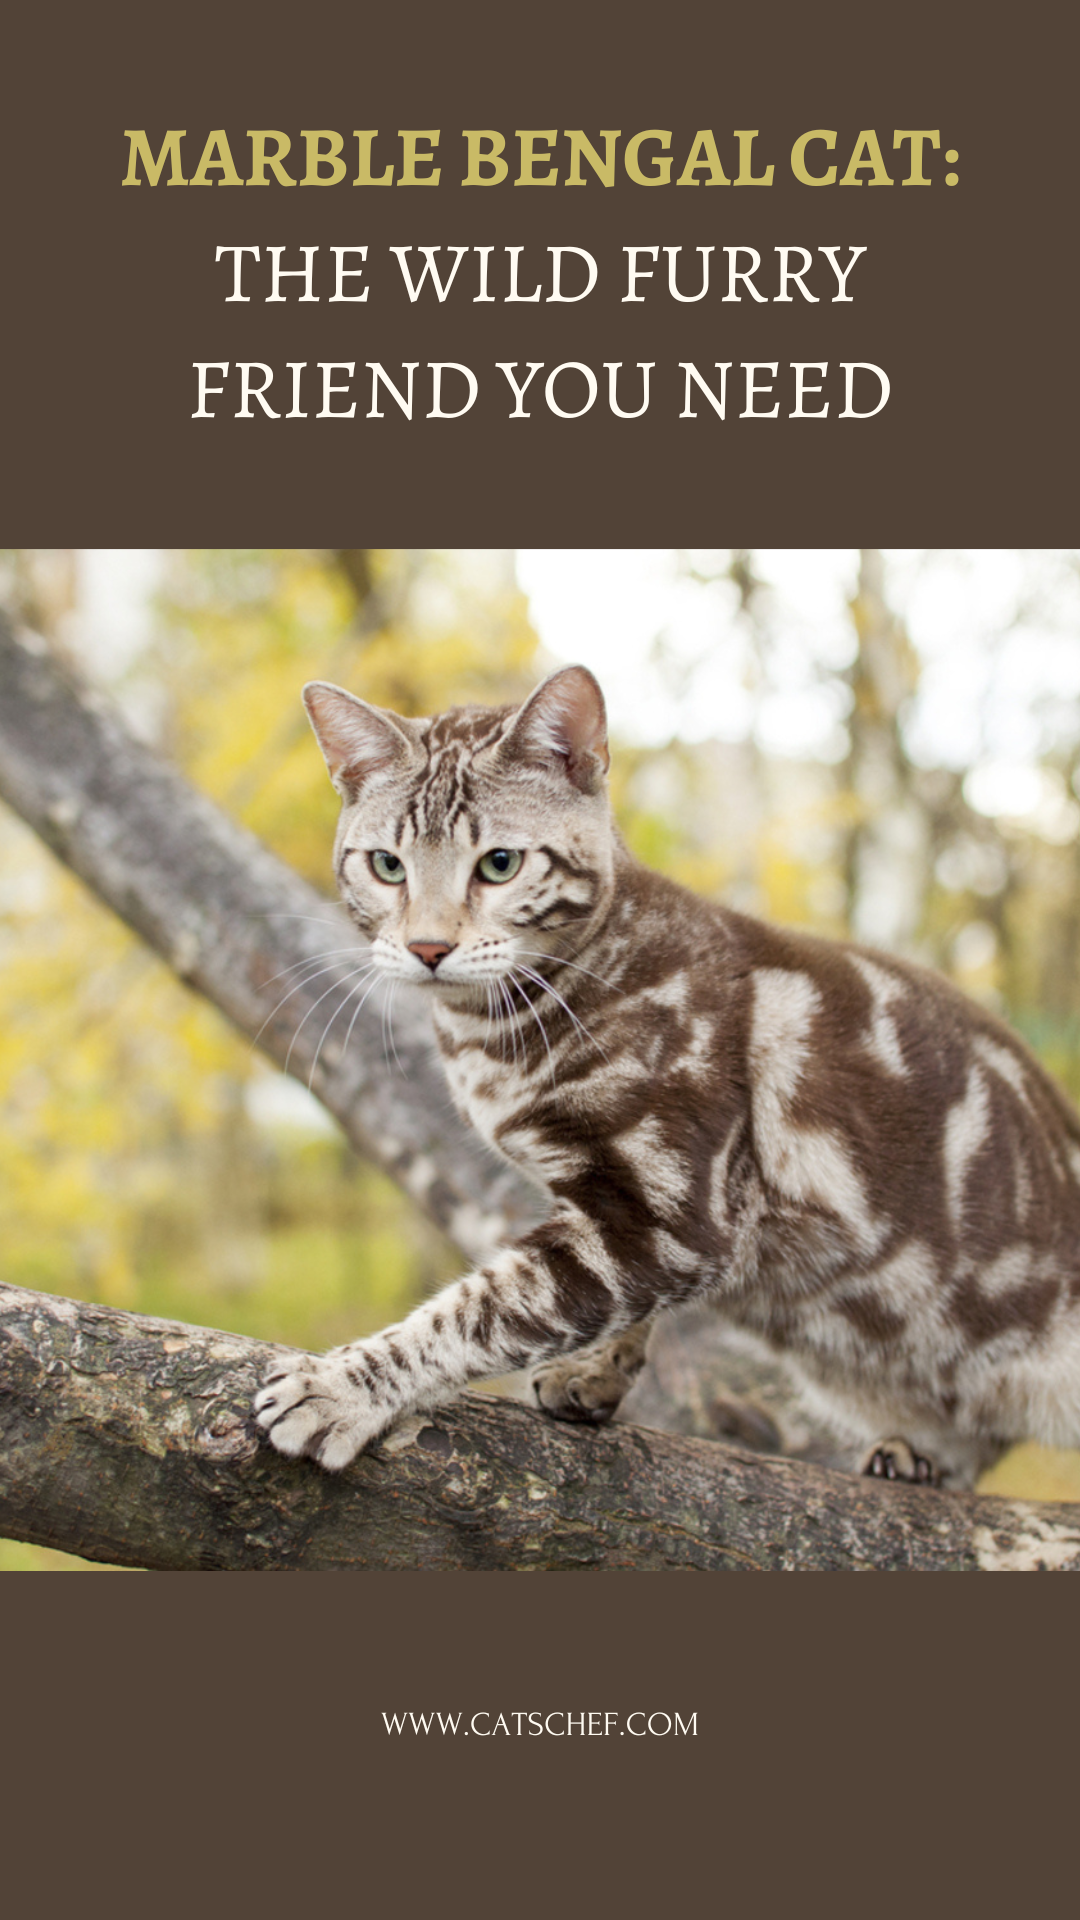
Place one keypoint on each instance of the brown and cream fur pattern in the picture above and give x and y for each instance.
(836, 1148)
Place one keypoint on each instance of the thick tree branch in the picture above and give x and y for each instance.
(229, 918)
(130, 1440)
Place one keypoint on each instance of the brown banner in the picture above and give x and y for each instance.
(940, 150)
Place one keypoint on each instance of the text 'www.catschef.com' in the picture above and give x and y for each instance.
(557, 1725)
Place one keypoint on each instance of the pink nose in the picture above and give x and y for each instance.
(430, 951)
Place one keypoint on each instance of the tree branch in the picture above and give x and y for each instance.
(130, 1440)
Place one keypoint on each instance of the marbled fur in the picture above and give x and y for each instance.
(836, 1148)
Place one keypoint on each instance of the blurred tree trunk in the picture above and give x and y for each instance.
(906, 819)
(888, 841)
(44, 590)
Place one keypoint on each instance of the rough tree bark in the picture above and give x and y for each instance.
(130, 1440)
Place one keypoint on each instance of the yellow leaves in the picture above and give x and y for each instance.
(115, 1280)
(247, 632)
(313, 598)
(104, 1061)
(1034, 1473)
(450, 662)
(783, 880)
(17, 1557)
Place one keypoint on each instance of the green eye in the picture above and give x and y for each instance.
(387, 866)
(499, 865)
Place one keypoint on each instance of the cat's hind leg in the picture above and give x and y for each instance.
(896, 1460)
(951, 1459)
(589, 1385)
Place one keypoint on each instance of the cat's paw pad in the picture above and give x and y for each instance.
(895, 1460)
(309, 1406)
(584, 1387)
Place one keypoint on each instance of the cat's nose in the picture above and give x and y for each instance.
(431, 951)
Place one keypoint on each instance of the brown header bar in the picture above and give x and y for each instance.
(876, 344)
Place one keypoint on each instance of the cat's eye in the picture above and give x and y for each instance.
(387, 866)
(499, 865)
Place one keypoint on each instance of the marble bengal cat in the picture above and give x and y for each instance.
(836, 1148)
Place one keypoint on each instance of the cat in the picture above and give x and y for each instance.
(833, 1146)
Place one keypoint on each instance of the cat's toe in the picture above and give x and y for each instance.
(289, 1410)
(287, 1388)
(896, 1460)
(339, 1445)
(311, 1409)
(571, 1390)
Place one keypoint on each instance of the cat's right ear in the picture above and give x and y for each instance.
(356, 740)
(564, 722)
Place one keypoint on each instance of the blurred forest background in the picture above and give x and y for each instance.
(883, 745)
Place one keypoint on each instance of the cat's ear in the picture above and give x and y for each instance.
(564, 721)
(356, 739)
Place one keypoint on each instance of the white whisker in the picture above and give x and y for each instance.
(310, 960)
(548, 988)
(487, 1029)
(500, 1025)
(382, 1025)
(311, 1010)
(540, 1024)
(288, 996)
(368, 990)
(334, 906)
(512, 1018)
(343, 1002)
(534, 953)
(394, 984)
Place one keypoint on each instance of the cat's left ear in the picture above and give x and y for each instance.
(565, 721)
(356, 739)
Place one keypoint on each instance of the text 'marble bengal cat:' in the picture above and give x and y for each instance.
(836, 1148)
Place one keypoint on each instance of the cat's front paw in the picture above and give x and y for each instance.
(309, 1405)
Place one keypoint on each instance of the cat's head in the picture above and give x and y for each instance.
(475, 841)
